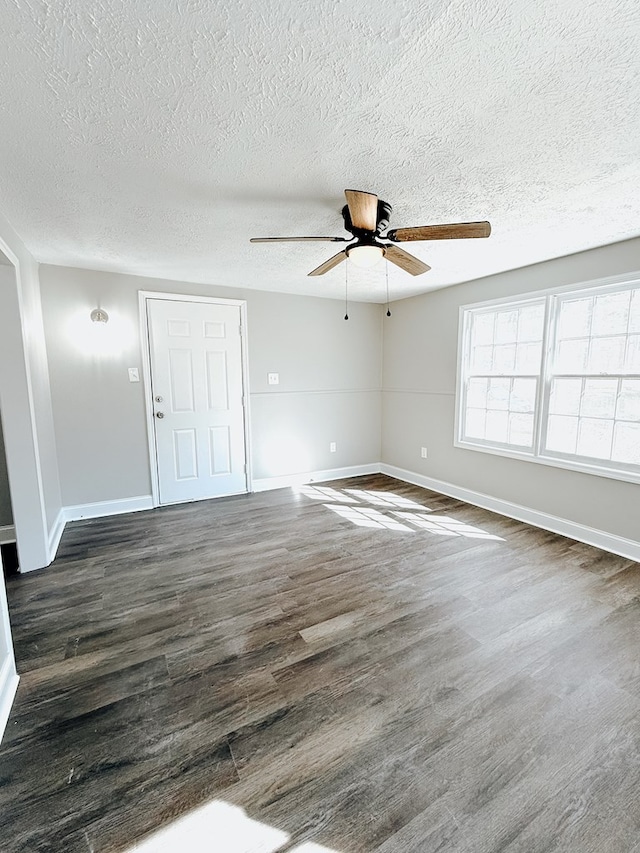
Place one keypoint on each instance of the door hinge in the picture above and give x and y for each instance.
(240, 329)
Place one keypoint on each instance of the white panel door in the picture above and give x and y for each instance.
(198, 399)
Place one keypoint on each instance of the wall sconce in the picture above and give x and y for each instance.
(99, 315)
(100, 334)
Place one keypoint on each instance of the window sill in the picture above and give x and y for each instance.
(554, 462)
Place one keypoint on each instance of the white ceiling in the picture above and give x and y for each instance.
(156, 136)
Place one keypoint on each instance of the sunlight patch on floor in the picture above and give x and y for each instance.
(219, 827)
(321, 493)
(442, 525)
(366, 517)
(402, 513)
(216, 826)
(384, 499)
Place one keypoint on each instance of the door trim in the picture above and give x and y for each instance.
(146, 296)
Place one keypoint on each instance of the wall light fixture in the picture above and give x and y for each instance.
(99, 315)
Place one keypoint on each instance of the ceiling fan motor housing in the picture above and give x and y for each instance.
(384, 212)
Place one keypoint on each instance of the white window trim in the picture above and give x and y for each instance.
(536, 455)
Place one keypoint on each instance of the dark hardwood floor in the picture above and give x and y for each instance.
(365, 675)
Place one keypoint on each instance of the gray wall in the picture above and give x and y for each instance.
(330, 379)
(6, 516)
(420, 359)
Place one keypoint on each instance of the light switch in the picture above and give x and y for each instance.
(134, 376)
(273, 378)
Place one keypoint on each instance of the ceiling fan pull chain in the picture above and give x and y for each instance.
(386, 270)
(346, 290)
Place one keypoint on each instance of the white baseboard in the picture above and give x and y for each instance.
(8, 685)
(55, 535)
(628, 548)
(7, 534)
(267, 483)
(103, 508)
(589, 535)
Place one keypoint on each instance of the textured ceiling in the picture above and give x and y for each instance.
(155, 137)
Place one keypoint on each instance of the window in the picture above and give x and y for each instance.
(503, 367)
(555, 378)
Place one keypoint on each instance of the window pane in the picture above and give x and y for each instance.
(565, 396)
(606, 355)
(506, 327)
(572, 356)
(523, 395)
(594, 438)
(498, 397)
(632, 361)
(521, 430)
(477, 393)
(482, 359)
(575, 318)
(629, 400)
(504, 358)
(497, 427)
(483, 329)
(626, 443)
(530, 322)
(528, 358)
(507, 341)
(599, 398)
(562, 434)
(610, 314)
(474, 423)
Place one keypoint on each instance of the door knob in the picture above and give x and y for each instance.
(159, 414)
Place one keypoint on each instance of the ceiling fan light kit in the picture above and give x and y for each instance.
(365, 256)
(366, 217)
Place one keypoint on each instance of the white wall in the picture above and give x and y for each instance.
(26, 406)
(330, 378)
(420, 357)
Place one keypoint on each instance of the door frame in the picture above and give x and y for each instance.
(146, 296)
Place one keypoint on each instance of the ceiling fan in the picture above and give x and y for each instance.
(366, 217)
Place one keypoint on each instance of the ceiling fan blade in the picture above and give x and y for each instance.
(363, 209)
(298, 240)
(409, 263)
(455, 231)
(330, 264)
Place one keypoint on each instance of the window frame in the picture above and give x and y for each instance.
(552, 298)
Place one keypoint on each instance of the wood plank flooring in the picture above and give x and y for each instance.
(385, 680)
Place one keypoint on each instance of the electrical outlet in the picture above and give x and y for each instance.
(273, 378)
(134, 376)
(423, 452)
(332, 447)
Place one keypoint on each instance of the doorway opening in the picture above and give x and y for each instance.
(8, 553)
(8, 549)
